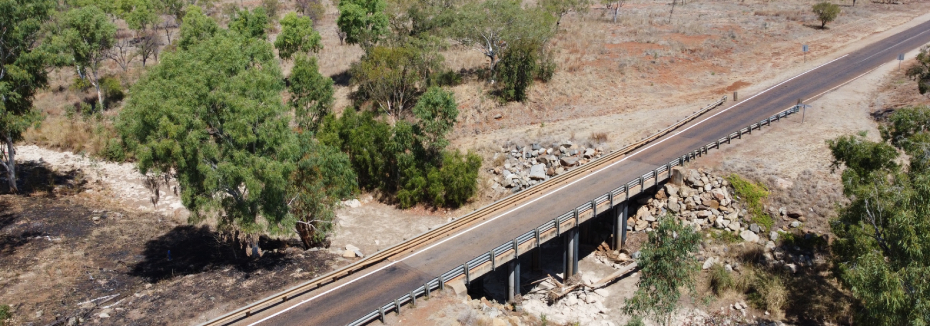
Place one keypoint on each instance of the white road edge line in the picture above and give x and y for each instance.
(540, 197)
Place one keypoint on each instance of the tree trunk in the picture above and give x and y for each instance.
(11, 164)
(616, 12)
(99, 93)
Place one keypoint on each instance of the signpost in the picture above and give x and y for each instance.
(804, 48)
(803, 109)
(900, 58)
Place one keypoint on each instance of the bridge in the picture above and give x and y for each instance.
(511, 231)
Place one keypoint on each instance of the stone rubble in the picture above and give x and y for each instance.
(525, 166)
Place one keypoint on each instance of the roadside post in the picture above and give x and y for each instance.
(804, 48)
(900, 58)
(803, 108)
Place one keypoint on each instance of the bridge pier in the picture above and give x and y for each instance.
(513, 279)
(570, 254)
(620, 212)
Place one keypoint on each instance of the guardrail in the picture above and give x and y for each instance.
(441, 231)
(511, 249)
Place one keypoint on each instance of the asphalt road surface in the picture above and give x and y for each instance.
(344, 301)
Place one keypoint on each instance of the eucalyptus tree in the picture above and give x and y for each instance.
(85, 38)
(23, 71)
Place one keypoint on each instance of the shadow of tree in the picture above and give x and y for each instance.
(197, 249)
(36, 177)
(343, 78)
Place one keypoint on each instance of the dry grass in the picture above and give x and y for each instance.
(598, 137)
(78, 134)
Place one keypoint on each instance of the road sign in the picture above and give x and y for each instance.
(900, 58)
(804, 47)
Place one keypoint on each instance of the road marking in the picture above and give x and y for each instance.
(540, 197)
(896, 44)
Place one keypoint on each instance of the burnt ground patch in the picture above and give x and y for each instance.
(58, 253)
(189, 249)
(37, 178)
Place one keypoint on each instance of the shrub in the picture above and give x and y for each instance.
(5, 314)
(112, 91)
(546, 67)
(517, 69)
(767, 292)
(826, 12)
(752, 194)
(114, 150)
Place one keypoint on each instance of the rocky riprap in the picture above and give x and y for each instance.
(523, 166)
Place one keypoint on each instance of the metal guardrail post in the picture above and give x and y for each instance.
(576, 217)
(381, 312)
(493, 260)
(516, 249)
(426, 287)
(558, 227)
(413, 298)
(397, 306)
(467, 278)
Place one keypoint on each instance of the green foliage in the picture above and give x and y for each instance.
(826, 12)
(213, 114)
(250, 23)
(636, 321)
(297, 36)
(436, 114)
(311, 93)
(138, 14)
(323, 176)
(753, 194)
(114, 151)
(196, 28)
(494, 25)
(546, 66)
(721, 280)
(363, 21)
(725, 236)
(85, 37)
(23, 67)
(920, 72)
(394, 159)
(5, 314)
(391, 77)
(517, 69)
(882, 249)
(667, 265)
(112, 90)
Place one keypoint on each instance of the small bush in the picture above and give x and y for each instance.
(112, 91)
(5, 314)
(808, 242)
(517, 69)
(768, 292)
(720, 279)
(114, 151)
(80, 84)
(752, 194)
(546, 67)
(725, 236)
(599, 137)
(636, 321)
(446, 78)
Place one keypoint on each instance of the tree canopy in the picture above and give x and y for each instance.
(311, 93)
(23, 65)
(363, 21)
(920, 71)
(666, 265)
(882, 249)
(297, 35)
(826, 12)
(196, 28)
(86, 36)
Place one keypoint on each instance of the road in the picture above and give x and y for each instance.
(344, 301)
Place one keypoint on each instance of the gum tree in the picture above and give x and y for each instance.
(23, 70)
(86, 37)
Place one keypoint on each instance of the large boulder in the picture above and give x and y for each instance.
(749, 236)
(569, 161)
(677, 176)
(694, 178)
(671, 189)
(673, 205)
(589, 153)
(538, 172)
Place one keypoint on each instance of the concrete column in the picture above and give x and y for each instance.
(534, 259)
(513, 279)
(576, 244)
(570, 254)
(620, 225)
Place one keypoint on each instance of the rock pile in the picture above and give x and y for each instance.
(701, 200)
(525, 166)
